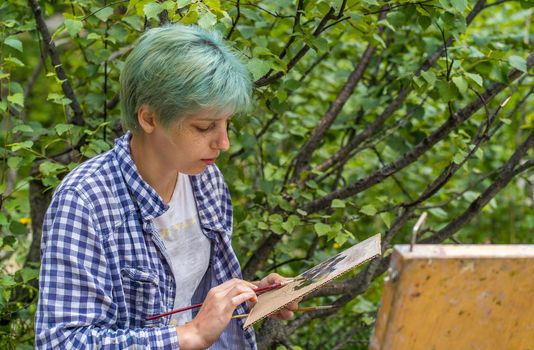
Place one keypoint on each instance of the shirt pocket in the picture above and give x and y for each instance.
(142, 296)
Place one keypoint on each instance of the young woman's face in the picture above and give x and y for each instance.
(194, 142)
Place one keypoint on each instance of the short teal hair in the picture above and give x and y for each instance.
(178, 70)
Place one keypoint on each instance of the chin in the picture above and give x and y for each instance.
(193, 172)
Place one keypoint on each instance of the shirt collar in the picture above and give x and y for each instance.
(210, 206)
(147, 199)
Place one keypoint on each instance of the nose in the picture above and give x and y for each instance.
(222, 143)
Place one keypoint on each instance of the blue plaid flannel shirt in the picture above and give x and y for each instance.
(104, 267)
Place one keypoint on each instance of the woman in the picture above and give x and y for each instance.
(146, 227)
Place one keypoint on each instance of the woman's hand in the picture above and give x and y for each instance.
(285, 313)
(215, 314)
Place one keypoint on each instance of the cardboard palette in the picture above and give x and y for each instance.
(314, 278)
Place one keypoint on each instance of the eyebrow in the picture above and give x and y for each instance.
(210, 119)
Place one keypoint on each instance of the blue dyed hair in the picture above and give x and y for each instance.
(178, 70)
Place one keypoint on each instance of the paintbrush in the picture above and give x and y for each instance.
(300, 309)
(258, 291)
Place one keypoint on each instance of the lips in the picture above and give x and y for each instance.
(209, 161)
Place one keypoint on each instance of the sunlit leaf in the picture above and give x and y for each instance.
(73, 26)
(13, 42)
(518, 63)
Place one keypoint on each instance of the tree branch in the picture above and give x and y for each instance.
(304, 155)
(296, 25)
(508, 173)
(344, 153)
(418, 150)
(331, 114)
(234, 21)
(56, 62)
(267, 79)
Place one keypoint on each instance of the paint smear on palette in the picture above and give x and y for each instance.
(314, 278)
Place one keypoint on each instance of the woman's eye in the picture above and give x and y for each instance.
(204, 129)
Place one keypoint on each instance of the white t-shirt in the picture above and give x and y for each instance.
(187, 246)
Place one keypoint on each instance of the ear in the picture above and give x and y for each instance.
(147, 119)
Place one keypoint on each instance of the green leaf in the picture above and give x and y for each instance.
(60, 99)
(385, 22)
(73, 26)
(17, 228)
(438, 212)
(368, 210)
(182, 3)
(447, 90)
(13, 42)
(506, 121)
(28, 274)
(263, 226)
(63, 128)
(50, 168)
(262, 51)
(341, 238)
(152, 10)
(276, 218)
(338, 203)
(321, 229)
(134, 22)
(470, 195)
(371, 2)
(14, 60)
(292, 84)
(7, 281)
(21, 145)
(94, 36)
(458, 158)
(386, 218)
(429, 77)
(277, 228)
(424, 21)
(475, 77)
(459, 5)
(258, 67)
(22, 128)
(294, 220)
(104, 14)
(287, 227)
(14, 162)
(518, 63)
(17, 99)
(461, 84)
(302, 212)
(207, 20)
(290, 224)
(319, 44)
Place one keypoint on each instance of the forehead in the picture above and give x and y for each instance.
(210, 115)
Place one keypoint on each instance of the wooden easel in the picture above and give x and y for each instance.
(457, 297)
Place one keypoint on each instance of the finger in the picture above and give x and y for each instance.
(241, 298)
(271, 279)
(283, 314)
(228, 285)
(292, 306)
(240, 288)
(274, 278)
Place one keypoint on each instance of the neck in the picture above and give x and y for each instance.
(151, 168)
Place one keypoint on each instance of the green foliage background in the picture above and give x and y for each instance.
(300, 54)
